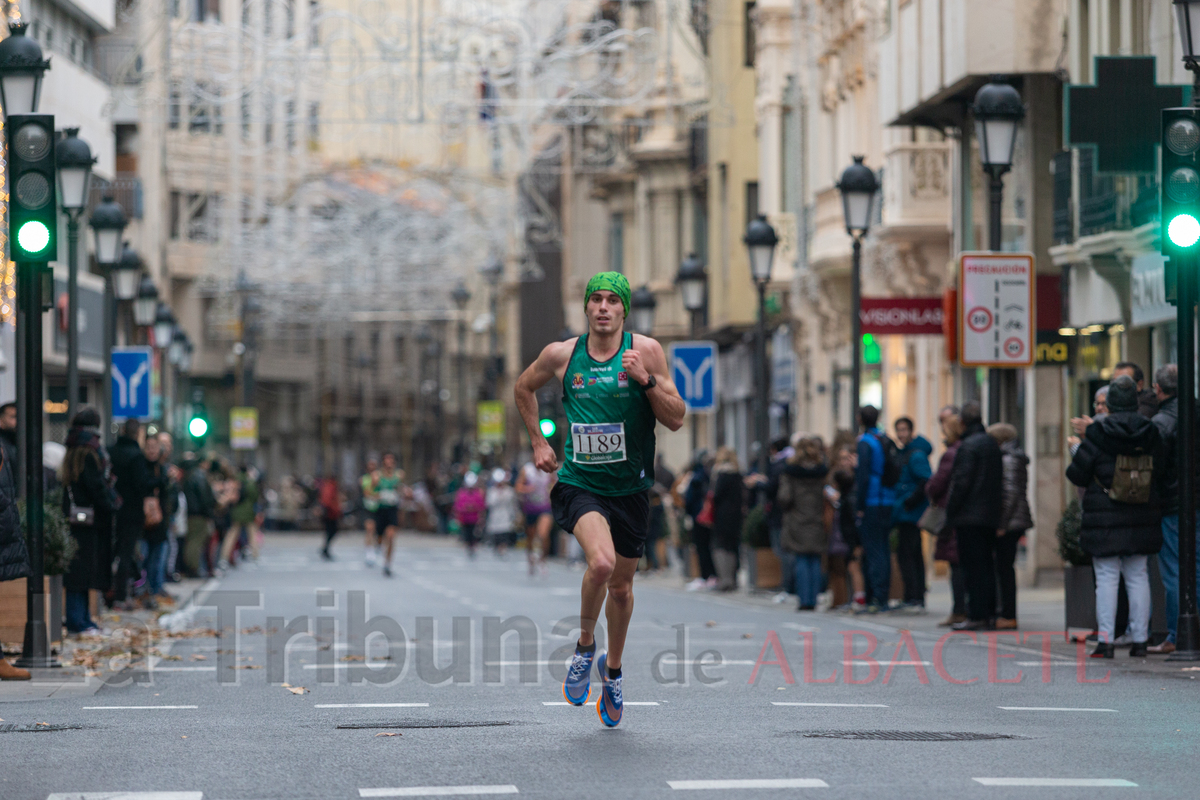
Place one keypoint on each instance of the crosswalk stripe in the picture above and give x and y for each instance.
(134, 708)
(438, 791)
(1049, 708)
(835, 705)
(1091, 782)
(126, 796)
(753, 783)
(371, 705)
(627, 702)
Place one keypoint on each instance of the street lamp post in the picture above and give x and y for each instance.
(164, 333)
(21, 70)
(108, 224)
(997, 111)
(126, 281)
(760, 240)
(858, 186)
(75, 162)
(145, 304)
(1187, 636)
(641, 310)
(461, 296)
(692, 280)
(492, 272)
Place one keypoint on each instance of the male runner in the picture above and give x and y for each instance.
(615, 386)
(388, 487)
(370, 505)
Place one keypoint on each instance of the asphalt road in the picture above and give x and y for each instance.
(214, 721)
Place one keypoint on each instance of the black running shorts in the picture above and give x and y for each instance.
(628, 516)
(386, 517)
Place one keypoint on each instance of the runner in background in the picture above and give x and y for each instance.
(370, 504)
(534, 487)
(388, 487)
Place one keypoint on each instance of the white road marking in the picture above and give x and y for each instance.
(1054, 782)
(1043, 663)
(835, 705)
(438, 791)
(753, 783)
(132, 708)
(347, 665)
(627, 702)
(371, 705)
(182, 669)
(126, 796)
(1039, 708)
(889, 663)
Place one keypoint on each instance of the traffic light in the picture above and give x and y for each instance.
(870, 345)
(198, 424)
(33, 208)
(1180, 190)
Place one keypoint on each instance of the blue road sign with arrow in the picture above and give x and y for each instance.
(130, 383)
(694, 370)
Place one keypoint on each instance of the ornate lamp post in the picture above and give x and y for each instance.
(692, 280)
(760, 240)
(461, 296)
(145, 305)
(21, 70)
(858, 187)
(997, 111)
(641, 310)
(75, 162)
(492, 271)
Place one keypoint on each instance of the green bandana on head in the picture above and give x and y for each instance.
(613, 282)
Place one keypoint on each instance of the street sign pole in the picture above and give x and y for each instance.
(1187, 636)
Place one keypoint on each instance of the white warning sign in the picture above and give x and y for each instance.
(995, 309)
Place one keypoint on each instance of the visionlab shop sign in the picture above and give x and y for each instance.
(901, 315)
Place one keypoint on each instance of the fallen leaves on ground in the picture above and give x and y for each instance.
(712, 623)
(388, 733)
(354, 658)
(297, 689)
(245, 666)
(252, 630)
(747, 635)
(172, 658)
(198, 657)
(46, 724)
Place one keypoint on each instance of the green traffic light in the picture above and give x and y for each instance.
(33, 237)
(548, 427)
(1183, 230)
(197, 427)
(871, 351)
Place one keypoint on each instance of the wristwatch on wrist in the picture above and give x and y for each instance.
(650, 384)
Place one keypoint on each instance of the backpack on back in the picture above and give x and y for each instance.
(1132, 478)
(893, 464)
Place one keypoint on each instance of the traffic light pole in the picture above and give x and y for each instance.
(1187, 636)
(36, 650)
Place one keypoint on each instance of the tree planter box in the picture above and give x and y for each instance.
(767, 572)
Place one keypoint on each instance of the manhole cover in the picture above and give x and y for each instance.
(910, 736)
(12, 727)
(425, 724)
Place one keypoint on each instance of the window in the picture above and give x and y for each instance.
(748, 39)
(289, 18)
(203, 214)
(290, 124)
(245, 115)
(751, 200)
(206, 10)
(204, 109)
(616, 243)
(314, 32)
(176, 213)
(400, 349)
(174, 107)
(314, 125)
(268, 115)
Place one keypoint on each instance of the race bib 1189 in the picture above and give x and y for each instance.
(602, 443)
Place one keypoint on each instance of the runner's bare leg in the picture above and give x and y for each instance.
(619, 608)
(593, 535)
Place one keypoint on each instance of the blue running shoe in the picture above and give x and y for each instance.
(579, 678)
(610, 702)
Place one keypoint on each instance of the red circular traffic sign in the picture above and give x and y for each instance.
(979, 319)
(1014, 347)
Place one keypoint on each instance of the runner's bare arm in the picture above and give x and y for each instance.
(549, 363)
(646, 359)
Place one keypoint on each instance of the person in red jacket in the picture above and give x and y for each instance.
(470, 504)
(330, 499)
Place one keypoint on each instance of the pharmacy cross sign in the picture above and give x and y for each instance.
(1120, 115)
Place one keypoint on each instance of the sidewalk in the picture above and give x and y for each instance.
(89, 662)
(1039, 609)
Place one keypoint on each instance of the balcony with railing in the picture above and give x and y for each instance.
(125, 189)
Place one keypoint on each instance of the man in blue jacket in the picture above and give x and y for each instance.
(910, 505)
(874, 503)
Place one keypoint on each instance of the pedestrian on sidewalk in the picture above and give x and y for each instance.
(1015, 519)
(533, 487)
(909, 506)
(728, 510)
(330, 498)
(1147, 398)
(88, 502)
(1166, 383)
(14, 557)
(501, 502)
(874, 499)
(697, 504)
(134, 481)
(779, 455)
(201, 504)
(158, 521)
(973, 510)
(1120, 465)
(937, 489)
(803, 536)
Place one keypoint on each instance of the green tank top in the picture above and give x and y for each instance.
(388, 491)
(610, 426)
(369, 501)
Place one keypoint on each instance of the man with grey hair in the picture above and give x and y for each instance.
(1166, 389)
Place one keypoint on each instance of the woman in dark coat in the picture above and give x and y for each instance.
(937, 489)
(1015, 519)
(801, 498)
(728, 491)
(88, 484)
(14, 557)
(1120, 534)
